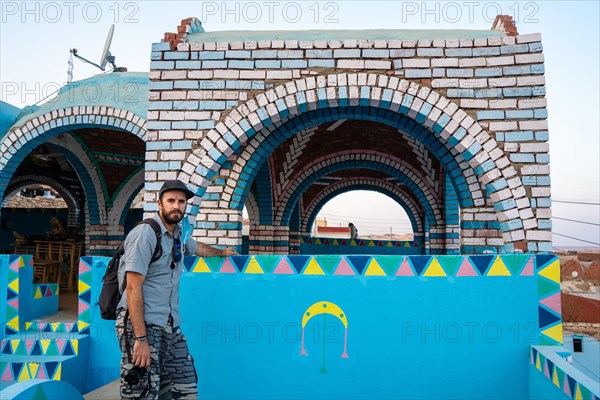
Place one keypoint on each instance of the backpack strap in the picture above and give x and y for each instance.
(157, 231)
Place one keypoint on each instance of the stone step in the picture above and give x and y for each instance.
(43, 343)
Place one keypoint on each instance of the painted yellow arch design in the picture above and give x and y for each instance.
(324, 307)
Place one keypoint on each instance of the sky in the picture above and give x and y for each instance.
(35, 38)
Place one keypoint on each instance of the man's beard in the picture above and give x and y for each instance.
(173, 217)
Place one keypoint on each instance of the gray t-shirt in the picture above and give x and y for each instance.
(161, 283)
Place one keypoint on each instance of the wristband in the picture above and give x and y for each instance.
(140, 339)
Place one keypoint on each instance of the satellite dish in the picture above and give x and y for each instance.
(106, 57)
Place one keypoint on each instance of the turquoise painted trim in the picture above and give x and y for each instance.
(367, 34)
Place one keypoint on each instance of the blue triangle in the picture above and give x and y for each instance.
(482, 262)
(534, 351)
(419, 263)
(86, 296)
(10, 294)
(188, 262)
(240, 262)
(543, 259)
(16, 368)
(546, 317)
(47, 328)
(12, 258)
(85, 331)
(36, 350)
(359, 262)
(550, 367)
(298, 262)
(571, 384)
(51, 368)
(7, 349)
(9, 331)
(68, 351)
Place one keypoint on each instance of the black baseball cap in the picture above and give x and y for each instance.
(176, 184)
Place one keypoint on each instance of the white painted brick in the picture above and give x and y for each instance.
(226, 74)
(377, 64)
(472, 83)
(444, 62)
(533, 58)
(502, 82)
(533, 103)
(540, 191)
(473, 103)
(166, 75)
(503, 103)
(200, 75)
(503, 126)
(533, 125)
(535, 147)
(530, 38)
(536, 80)
(279, 74)
(472, 62)
(416, 63)
(506, 60)
(542, 236)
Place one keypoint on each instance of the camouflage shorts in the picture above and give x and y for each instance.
(171, 374)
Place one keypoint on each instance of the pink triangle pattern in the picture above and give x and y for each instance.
(552, 302)
(60, 343)
(344, 268)
(14, 303)
(42, 373)
(83, 267)
(83, 306)
(29, 344)
(7, 374)
(405, 269)
(283, 268)
(227, 267)
(528, 269)
(466, 268)
(567, 389)
(15, 265)
(546, 370)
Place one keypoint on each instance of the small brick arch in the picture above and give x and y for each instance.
(363, 183)
(120, 206)
(446, 122)
(18, 142)
(253, 210)
(74, 211)
(361, 159)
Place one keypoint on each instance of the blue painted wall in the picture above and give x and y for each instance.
(408, 337)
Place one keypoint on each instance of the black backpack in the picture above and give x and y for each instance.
(110, 294)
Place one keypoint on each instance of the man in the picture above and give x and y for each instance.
(149, 307)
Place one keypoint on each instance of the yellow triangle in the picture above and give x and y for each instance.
(28, 325)
(254, 267)
(75, 345)
(498, 268)
(14, 285)
(14, 324)
(578, 395)
(389, 244)
(38, 294)
(556, 333)
(33, 369)
(537, 362)
(335, 242)
(374, 269)
(371, 243)
(552, 271)
(301, 240)
(14, 343)
(555, 378)
(82, 286)
(45, 343)
(317, 241)
(58, 373)
(313, 268)
(352, 242)
(201, 266)
(54, 326)
(24, 375)
(21, 262)
(406, 244)
(435, 269)
(82, 325)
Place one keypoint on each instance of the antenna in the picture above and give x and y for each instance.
(105, 57)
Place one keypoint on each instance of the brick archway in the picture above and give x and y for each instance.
(363, 183)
